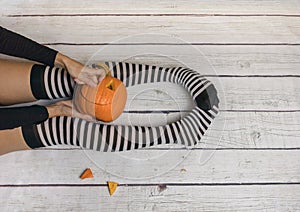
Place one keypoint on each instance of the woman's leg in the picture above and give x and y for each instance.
(50, 82)
(112, 138)
(12, 140)
(107, 138)
(26, 82)
(15, 82)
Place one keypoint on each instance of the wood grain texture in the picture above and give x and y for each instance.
(222, 198)
(234, 94)
(234, 129)
(144, 166)
(45, 7)
(189, 29)
(208, 60)
(249, 158)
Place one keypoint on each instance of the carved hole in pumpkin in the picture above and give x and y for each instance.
(110, 85)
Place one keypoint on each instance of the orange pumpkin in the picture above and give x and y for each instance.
(106, 101)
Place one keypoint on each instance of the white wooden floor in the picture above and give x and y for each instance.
(250, 158)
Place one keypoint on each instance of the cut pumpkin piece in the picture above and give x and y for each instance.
(87, 174)
(112, 186)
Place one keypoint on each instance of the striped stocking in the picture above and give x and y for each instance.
(109, 138)
(50, 82)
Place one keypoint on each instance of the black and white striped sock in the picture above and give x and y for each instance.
(112, 138)
(50, 82)
(107, 138)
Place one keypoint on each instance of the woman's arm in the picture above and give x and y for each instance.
(22, 116)
(81, 74)
(17, 45)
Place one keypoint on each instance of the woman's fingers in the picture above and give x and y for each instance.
(74, 113)
(90, 76)
(67, 103)
(87, 117)
(79, 81)
(65, 108)
(81, 74)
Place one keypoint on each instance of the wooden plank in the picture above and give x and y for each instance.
(209, 60)
(249, 94)
(156, 166)
(150, 198)
(256, 127)
(94, 29)
(150, 7)
(265, 94)
(234, 129)
(230, 130)
(235, 93)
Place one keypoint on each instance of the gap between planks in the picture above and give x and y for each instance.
(221, 110)
(184, 149)
(153, 14)
(151, 184)
(171, 44)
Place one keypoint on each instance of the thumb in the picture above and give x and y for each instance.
(87, 81)
(78, 81)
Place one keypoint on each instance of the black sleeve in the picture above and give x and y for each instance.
(17, 45)
(21, 116)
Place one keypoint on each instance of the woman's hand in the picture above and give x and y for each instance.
(65, 108)
(81, 73)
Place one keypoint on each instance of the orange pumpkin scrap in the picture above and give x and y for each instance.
(106, 101)
(87, 174)
(112, 186)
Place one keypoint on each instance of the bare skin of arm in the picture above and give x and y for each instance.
(80, 73)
